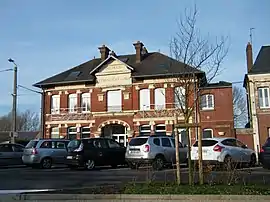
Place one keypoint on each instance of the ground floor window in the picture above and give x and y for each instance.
(55, 132)
(145, 130)
(207, 133)
(72, 133)
(160, 129)
(85, 133)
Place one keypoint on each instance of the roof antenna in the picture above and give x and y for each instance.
(250, 34)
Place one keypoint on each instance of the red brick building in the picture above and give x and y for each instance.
(123, 96)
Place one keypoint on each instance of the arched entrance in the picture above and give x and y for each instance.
(115, 129)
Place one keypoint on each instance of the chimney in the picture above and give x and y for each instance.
(138, 46)
(104, 52)
(249, 57)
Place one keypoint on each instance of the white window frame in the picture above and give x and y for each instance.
(264, 98)
(145, 131)
(112, 107)
(72, 106)
(144, 105)
(160, 98)
(208, 129)
(179, 97)
(55, 132)
(87, 132)
(55, 104)
(207, 107)
(73, 132)
(160, 131)
(86, 99)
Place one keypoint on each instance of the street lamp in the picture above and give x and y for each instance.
(14, 105)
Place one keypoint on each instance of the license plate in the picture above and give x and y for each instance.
(69, 157)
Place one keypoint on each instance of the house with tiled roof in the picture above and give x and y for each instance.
(257, 84)
(122, 96)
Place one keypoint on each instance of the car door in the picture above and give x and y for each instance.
(182, 151)
(243, 151)
(60, 152)
(6, 154)
(92, 151)
(168, 150)
(17, 154)
(232, 149)
(116, 153)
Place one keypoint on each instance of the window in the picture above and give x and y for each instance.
(160, 98)
(59, 145)
(113, 144)
(55, 104)
(206, 143)
(207, 101)
(72, 133)
(145, 130)
(114, 101)
(229, 142)
(179, 97)
(5, 148)
(180, 144)
(46, 145)
(156, 141)
(85, 102)
(183, 138)
(240, 144)
(166, 142)
(85, 132)
(18, 148)
(207, 133)
(144, 99)
(72, 102)
(263, 94)
(55, 132)
(138, 141)
(160, 129)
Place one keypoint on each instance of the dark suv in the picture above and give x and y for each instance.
(264, 156)
(91, 152)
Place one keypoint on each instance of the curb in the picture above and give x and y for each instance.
(124, 197)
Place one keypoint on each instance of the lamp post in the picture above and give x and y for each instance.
(14, 100)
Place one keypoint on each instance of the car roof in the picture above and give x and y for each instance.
(218, 138)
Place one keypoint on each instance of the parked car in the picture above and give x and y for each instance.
(224, 151)
(44, 153)
(11, 154)
(264, 155)
(91, 152)
(158, 151)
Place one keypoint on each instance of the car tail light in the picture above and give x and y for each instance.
(146, 148)
(218, 148)
(261, 150)
(34, 151)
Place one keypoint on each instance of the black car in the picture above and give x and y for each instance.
(91, 152)
(264, 155)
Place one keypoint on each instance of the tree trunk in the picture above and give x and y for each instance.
(190, 167)
(178, 174)
(200, 158)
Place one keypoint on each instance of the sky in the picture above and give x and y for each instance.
(47, 37)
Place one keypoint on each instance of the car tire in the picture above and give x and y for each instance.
(228, 164)
(46, 163)
(253, 160)
(158, 163)
(89, 164)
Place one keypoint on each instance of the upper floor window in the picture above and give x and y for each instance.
(144, 99)
(72, 102)
(160, 98)
(55, 132)
(55, 104)
(207, 101)
(179, 97)
(114, 101)
(85, 102)
(263, 97)
(207, 133)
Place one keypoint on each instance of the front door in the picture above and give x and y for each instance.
(120, 138)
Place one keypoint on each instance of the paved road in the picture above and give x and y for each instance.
(59, 178)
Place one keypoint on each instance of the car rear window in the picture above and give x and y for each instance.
(206, 143)
(31, 144)
(138, 141)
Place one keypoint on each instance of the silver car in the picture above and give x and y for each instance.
(44, 153)
(158, 151)
(11, 154)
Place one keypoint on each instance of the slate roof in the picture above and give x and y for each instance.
(262, 62)
(152, 65)
(220, 84)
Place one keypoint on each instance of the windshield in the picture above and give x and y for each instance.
(74, 144)
(31, 144)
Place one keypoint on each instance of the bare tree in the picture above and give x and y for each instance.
(26, 121)
(202, 59)
(239, 107)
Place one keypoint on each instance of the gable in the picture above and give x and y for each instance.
(113, 67)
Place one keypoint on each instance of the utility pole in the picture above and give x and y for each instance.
(14, 105)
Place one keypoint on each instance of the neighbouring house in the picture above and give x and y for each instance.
(122, 96)
(257, 84)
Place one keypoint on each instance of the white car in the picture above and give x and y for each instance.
(223, 151)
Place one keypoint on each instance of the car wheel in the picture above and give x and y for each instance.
(158, 163)
(228, 164)
(89, 164)
(46, 163)
(133, 166)
(253, 160)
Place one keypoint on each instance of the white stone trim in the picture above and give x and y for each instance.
(69, 122)
(60, 93)
(151, 86)
(113, 88)
(137, 87)
(66, 92)
(165, 85)
(49, 93)
(116, 121)
(78, 91)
